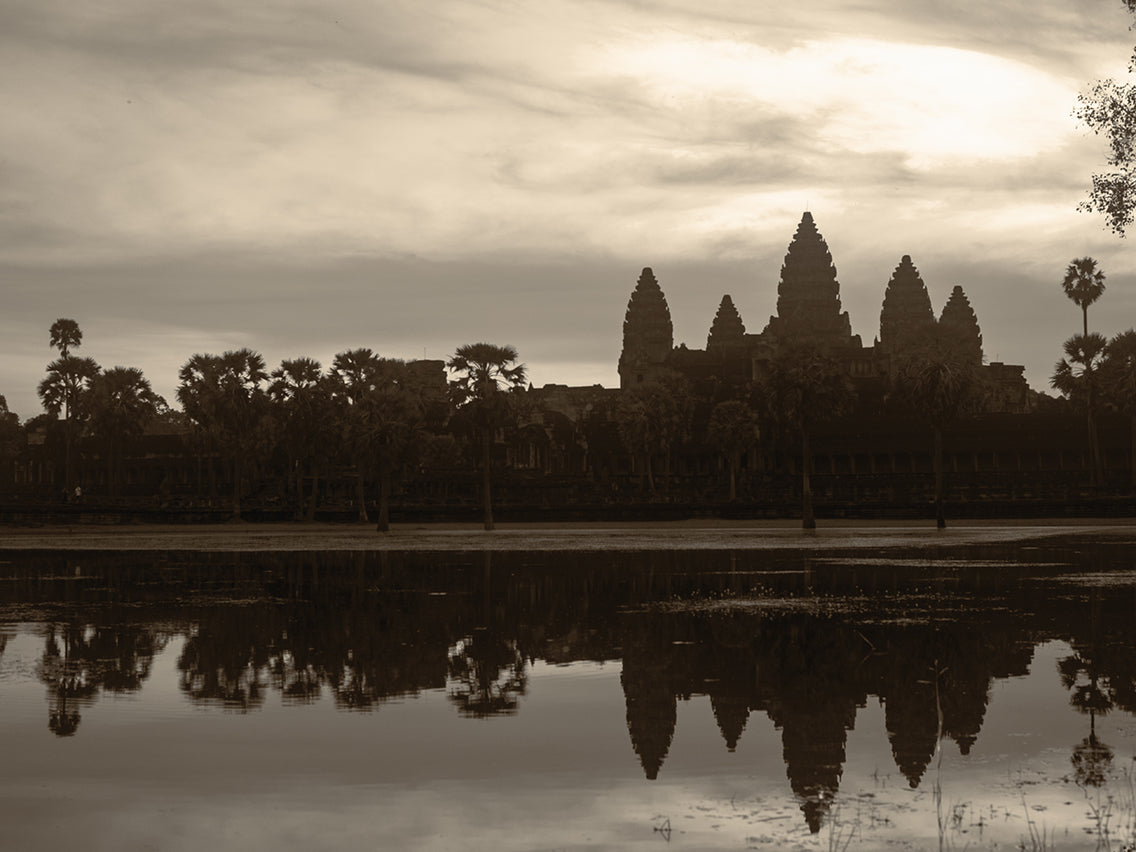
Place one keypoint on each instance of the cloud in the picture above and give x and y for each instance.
(302, 179)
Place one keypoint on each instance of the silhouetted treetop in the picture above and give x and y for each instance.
(65, 335)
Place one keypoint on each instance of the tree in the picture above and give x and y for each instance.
(301, 396)
(1083, 284)
(1109, 108)
(402, 411)
(66, 388)
(1118, 383)
(354, 375)
(122, 403)
(225, 397)
(485, 374)
(64, 335)
(939, 378)
(652, 419)
(803, 385)
(10, 434)
(733, 429)
(389, 426)
(1076, 376)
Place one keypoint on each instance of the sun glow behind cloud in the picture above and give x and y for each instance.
(930, 103)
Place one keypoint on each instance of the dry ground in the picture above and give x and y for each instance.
(665, 535)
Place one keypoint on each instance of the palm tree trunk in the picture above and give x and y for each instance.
(237, 486)
(67, 449)
(1094, 445)
(312, 497)
(1132, 458)
(296, 483)
(384, 501)
(650, 475)
(360, 496)
(486, 497)
(940, 518)
(808, 520)
(733, 477)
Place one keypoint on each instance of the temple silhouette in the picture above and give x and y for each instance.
(577, 453)
(808, 310)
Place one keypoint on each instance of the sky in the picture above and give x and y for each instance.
(306, 178)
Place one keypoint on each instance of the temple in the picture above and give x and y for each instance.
(809, 309)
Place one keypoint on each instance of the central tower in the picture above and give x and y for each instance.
(808, 295)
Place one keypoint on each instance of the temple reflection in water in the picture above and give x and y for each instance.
(806, 643)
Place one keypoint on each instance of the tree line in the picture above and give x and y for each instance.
(380, 415)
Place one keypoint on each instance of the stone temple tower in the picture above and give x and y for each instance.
(727, 332)
(808, 295)
(960, 326)
(906, 316)
(648, 335)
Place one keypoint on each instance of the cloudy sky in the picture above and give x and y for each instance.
(305, 178)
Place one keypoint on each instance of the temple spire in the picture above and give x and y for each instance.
(960, 326)
(727, 330)
(808, 295)
(906, 316)
(648, 335)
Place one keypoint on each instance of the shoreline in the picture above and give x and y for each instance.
(547, 536)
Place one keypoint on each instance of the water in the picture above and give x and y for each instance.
(916, 694)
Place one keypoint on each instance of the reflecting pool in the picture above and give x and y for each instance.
(919, 695)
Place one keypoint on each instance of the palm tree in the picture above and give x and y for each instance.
(66, 388)
(939, 381)
(803, 385)
(225, 397)
(653, 418)
(301, 395)
(1077, 377)
(1084, 284)
(485, 371)
(11, 437)
(65, 335)
(122, 403)
(354, 375)
(395, 415)
(1118, 383)
(733, 429)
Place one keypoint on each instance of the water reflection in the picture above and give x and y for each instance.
(80, 660)
(806, 643)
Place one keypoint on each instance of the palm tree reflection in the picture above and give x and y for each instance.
(80, 660)
(487, 675)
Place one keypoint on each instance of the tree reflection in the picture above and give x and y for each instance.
(80, 660)
(224, 661)
(1090, 694)
(487, 668)
(487, 675)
